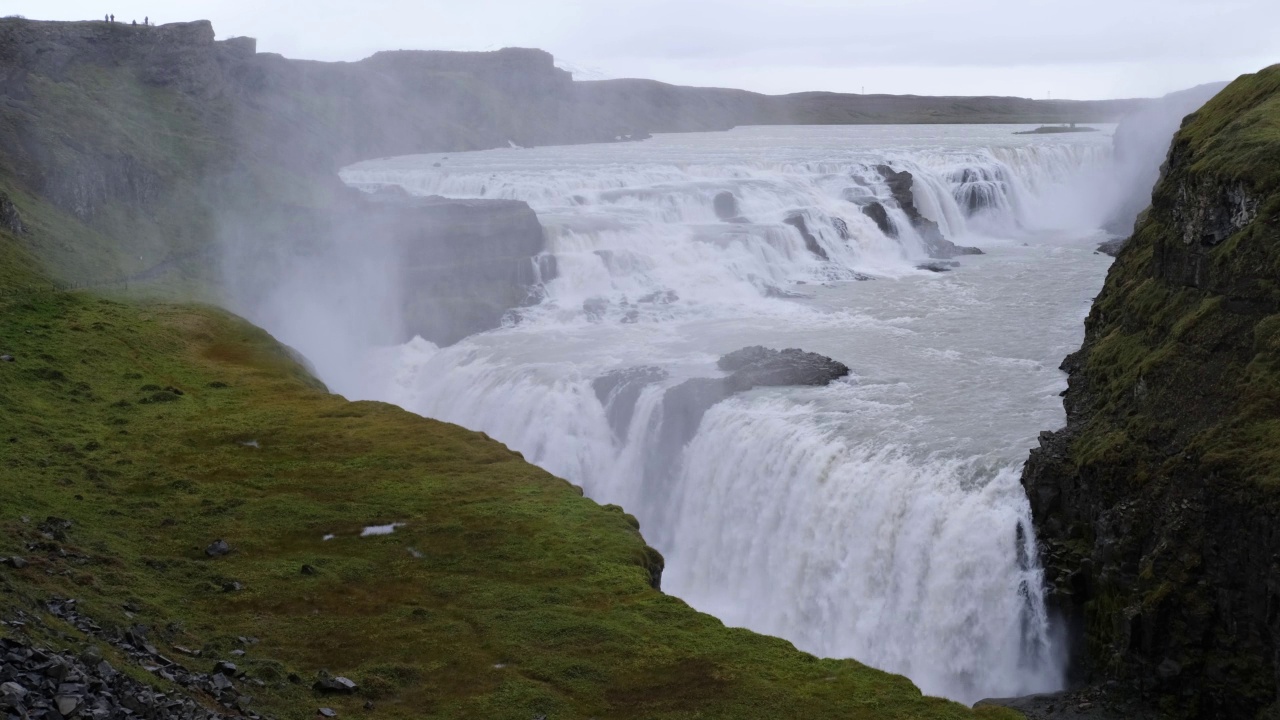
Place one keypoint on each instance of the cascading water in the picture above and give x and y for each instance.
(879, 517)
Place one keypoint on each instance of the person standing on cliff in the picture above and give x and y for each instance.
(113, 18)
(146, 20)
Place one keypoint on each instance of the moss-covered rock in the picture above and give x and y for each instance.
(1158, 506)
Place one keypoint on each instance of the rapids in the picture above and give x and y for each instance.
(879, 517)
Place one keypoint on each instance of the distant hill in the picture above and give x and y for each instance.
(659, 107)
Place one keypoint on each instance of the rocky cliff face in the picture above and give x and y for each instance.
(175, 151)
(490, 264)
(1158, 505)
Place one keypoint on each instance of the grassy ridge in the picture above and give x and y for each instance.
(1201, 354)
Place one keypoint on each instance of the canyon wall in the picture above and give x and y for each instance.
(1158, 505)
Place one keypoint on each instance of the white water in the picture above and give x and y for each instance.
(879, 517)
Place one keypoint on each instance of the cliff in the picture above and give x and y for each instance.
(210, 169)
(1157, 505)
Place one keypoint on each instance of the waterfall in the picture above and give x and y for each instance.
(879, 517)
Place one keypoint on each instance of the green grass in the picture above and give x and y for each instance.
(1237, 133)
(505, 595)
(1196, 367)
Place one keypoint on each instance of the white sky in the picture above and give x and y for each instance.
(1081, 49)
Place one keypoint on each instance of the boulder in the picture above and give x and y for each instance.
(1112, 247)
(338, 685)
(758, 366)
(726, 206)
(13, 689)
(217, 548)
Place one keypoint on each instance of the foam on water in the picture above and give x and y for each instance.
(879, 517)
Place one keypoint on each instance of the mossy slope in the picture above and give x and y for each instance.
(505, 594)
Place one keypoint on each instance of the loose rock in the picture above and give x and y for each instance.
(339, 685)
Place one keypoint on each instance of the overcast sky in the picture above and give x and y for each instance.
(1071, 48)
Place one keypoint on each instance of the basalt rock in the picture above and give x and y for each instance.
(1112, 247)
(1157, 507)
(759, 366)
(900, 183)
(725, 205)
(880, 215)
(462, 263)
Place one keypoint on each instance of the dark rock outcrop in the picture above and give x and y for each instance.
(217, 548)
(684, 405)
(1112, 247)
(880, 216)
(900, 184)
(39, 682)
(10, 220)
(758, 366)
(725, 205)
(1157, 505)
(463, 263)
(842, 228)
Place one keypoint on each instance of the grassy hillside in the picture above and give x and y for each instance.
(157, 429)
